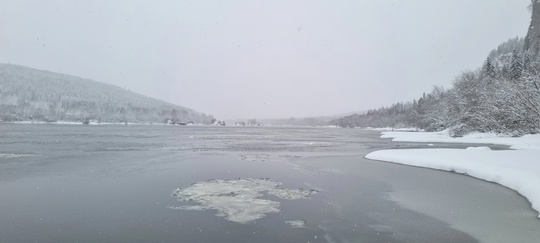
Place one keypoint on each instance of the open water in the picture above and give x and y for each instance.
(128, 183)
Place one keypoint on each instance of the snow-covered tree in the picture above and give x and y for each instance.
(516, 65)
(489, 69)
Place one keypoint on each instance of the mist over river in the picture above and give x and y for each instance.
(166, 183)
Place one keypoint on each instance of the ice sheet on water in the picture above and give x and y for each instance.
(5, 155)
(238, 200)
(319, 144)
(191, 207)
(291, 194)
(256, 157)
(297, 223)
(288, 156)
(478, 148)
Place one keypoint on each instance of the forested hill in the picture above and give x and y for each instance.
(28, 94)
(502, 96)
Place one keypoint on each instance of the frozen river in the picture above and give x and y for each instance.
(153, 183)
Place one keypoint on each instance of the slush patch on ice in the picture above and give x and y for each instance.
(192, 207)
(297, 223)
(478, 148)
(288, 156)
(2, 155)
(237, 200)
(318, 144)
(169, 148)
(291, 194)
(256, 157)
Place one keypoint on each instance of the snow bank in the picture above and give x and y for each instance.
(238, 200)
(518, 169)
(527, 142)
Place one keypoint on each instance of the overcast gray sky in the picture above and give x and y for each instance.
(263, 59)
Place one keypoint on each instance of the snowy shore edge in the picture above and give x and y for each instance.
(517, 169)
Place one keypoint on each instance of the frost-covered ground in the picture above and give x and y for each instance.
(518, 169)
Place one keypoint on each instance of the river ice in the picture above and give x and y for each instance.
(239, 200)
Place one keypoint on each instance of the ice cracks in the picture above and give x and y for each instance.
(239, 200)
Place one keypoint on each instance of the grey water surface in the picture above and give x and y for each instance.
(113, 183)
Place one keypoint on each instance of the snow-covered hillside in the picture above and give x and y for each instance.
(28, 94)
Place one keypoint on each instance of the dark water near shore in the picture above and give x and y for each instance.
(113, 183)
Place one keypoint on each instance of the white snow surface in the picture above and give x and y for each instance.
(238, 200)
(518, 169)
(527, 142)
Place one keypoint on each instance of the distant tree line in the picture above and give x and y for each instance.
(503, 97)
(32, 95)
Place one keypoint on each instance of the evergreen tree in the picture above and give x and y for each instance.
(516, 66)
(489, 70)
(527, 59)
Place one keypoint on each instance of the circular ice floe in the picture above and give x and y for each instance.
(237, 200)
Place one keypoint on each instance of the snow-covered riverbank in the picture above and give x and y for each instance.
(518, 169)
